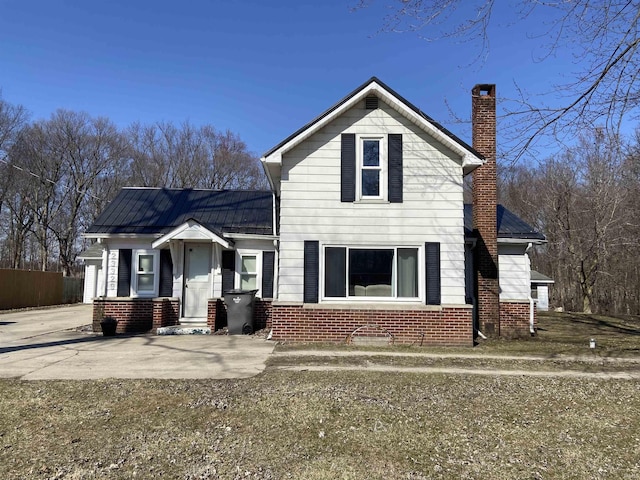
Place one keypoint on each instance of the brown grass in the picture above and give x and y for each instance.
(338, 425)
(321, 426)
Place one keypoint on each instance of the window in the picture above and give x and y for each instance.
(248, 272)
(145, 267)
(371, 168)
(390, 272)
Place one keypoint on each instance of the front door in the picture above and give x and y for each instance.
(197, 286)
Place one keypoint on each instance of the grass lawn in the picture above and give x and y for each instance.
(322, 426)
(337, 425)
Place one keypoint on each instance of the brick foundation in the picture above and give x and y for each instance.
(262, 312)
(514, 320)
(217, 314)
(424, 326)
(136, 315)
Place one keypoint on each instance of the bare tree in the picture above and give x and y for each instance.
(67, 160)
(12, 119)
(165, 155)
(581, 200)
(229, 163)
(36, 170)
(603, 36)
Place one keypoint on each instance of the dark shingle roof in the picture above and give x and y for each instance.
(509, 224)
(160, 210)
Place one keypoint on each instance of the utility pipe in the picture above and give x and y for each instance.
(532, 329)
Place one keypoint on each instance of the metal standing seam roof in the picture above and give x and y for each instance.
(509, 224)
(159, 210)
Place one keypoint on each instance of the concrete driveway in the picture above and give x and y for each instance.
(44, 345)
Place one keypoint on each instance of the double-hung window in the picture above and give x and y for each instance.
(248, 272)
(146, 268)
(371, 168)
(384, 272)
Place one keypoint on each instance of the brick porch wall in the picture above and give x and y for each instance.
(448, 326)
(166, 312)
(514, 319)
(136, 315)
(217, 314)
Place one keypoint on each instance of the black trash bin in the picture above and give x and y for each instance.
(240, 311)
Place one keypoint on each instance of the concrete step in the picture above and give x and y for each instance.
(190, 321)
(184, 330)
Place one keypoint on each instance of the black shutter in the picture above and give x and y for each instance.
(228, 270)
(395, 167)
(432, 260)
(268, 264)
(166, 274)
(124, 273)
(348, 168)
(311, 263)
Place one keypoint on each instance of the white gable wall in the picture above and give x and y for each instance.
(515, 273)
(432, 208)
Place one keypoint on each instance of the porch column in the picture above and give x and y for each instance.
(177, 257)
(216, 269)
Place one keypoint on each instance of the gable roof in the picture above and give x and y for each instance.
(153, 211)
(272, 159)
(537, 277)
(93, 252)
(509, 225)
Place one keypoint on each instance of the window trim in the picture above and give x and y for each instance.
(135, 263)
(383, 167)
(394, 299)
(238, 270)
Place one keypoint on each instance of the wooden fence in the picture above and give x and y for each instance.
(28, 288)
(72, 289)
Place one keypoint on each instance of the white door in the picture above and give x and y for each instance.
(197, 279)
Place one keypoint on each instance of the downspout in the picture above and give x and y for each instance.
(532, 329)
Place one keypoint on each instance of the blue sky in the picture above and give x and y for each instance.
(259, 68)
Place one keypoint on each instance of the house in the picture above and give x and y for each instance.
(93, 276)
(540, 290)
(364, 232)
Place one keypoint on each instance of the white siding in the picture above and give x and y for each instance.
(515, 273)
(91, 269)
(543, 297)
(253, 247)
(432, 208)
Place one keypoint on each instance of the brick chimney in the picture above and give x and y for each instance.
(483, 118)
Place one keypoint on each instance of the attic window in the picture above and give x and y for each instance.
(371, 102)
